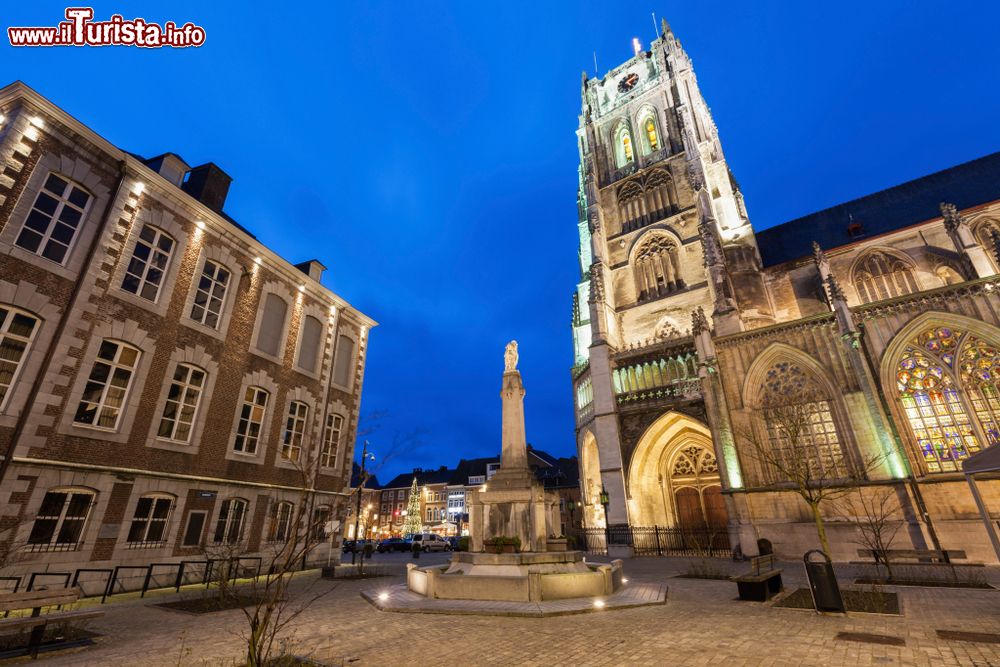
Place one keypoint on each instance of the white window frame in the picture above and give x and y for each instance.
(331, 442)
(53, 544)
(186, 389)
(226, 506)
(281, 524)
(115, 365)
(62, 202)
(210, 295)
(154, 249)
(150, 520)
(240, 418)
(5, 334)
(294, 432)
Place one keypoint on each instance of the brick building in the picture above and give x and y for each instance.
(166, 381)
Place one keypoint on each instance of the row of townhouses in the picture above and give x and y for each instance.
(445, 493)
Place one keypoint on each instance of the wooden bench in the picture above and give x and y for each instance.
(762, 582)
(925, 555)
(35, 600)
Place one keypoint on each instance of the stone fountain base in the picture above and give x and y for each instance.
(520, 577)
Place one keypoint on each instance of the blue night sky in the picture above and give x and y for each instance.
(425, 152)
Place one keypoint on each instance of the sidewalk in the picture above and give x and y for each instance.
(701, 624)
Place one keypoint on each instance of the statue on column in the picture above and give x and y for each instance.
(510, 357)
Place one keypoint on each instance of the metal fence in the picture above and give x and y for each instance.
(655, 541)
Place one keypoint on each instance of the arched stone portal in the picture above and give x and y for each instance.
(674, 476)
(590, 482)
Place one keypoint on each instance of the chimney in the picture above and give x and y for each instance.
(209, 185)
(312, 268)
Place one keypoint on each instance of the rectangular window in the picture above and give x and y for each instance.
(182, 403)
(210, 295)
(295, 426)
(55, 217)
(272, 324)
(229, 528)
(195, 526)
(344, 362)
(107, 387)
(282, 522)
(17, 329)
(60, 521)
(331, 440)
(312, 332)
(251, 420)
(149, 524)
(150, 257)
(401, 493)
(321, 516)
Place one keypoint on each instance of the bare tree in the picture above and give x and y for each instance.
(878, 514)
(274, 606)
(797, 454)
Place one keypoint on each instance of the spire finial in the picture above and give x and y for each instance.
(995, 239)
(818, 253)
(952, 219)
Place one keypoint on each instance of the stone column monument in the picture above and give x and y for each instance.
(514, 503)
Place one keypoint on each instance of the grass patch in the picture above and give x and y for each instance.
(293, 661)
(930, 583)
(870, 602)
(209, 604)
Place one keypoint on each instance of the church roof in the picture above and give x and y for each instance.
(965, 185)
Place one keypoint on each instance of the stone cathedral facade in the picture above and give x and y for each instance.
(878, 318)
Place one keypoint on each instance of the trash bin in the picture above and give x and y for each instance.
(823, 583)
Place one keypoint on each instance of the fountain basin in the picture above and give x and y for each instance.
(520, 577)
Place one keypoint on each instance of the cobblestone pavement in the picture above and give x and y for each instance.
(701, 624)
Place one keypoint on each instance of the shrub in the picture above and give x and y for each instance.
(463, 544)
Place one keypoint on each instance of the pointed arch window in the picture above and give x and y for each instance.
(948, 387)
(650, 133)
(656, 269)
(800, 426)
(879, 275)
(624, 152)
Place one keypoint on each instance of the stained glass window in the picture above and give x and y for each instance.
(934, 370)
(654, 141)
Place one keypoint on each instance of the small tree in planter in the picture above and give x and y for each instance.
(879, 518)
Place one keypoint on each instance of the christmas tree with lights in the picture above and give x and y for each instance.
(412, 524)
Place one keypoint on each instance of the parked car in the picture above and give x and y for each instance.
(431, 542)
(453, 541)
(393, 544)
(350, 546)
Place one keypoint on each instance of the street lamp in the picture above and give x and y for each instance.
(366, 456)
(607, 526)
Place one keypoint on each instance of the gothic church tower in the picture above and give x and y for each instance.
(663, 232)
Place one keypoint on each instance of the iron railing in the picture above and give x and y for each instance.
(655, 541)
